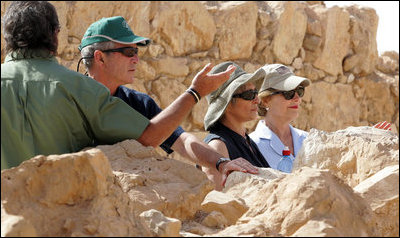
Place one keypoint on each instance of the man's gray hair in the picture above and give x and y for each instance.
(89, 50)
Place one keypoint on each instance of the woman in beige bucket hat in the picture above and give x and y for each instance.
(230, 107)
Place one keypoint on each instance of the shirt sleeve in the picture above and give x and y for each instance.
(111, 120)
(145, 105)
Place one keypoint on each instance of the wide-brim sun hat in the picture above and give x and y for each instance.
(280, 77)
(219, 99)
(114, 29)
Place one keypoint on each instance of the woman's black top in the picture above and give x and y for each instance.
(237, 145)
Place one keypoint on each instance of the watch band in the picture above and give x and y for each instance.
(221, 160)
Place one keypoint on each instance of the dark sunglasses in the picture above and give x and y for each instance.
(127, 51)
(246, 95)
(290, 94)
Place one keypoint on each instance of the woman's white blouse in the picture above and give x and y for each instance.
(271, 146)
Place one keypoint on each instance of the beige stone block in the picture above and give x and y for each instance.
(336, 40)
(383, 197)
(387, 65)
(291, 31)
(339, 109)
(237, 24)
(313, 22)
(198, 113)
(363, 28)
(170, 66)
(215, 219)
(160, 225)
(297, 63)
(312, 42)
(16, 226)
(230, 207)
(264, 18)
(145, 71)
(167, 90)
(138, 85)
(183, 27)
(377, 101)
(350, 62)
(155, 50)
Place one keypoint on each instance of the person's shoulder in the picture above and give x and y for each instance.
(132, 92)
(261, 132)
(211, 136)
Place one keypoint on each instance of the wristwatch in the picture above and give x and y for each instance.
(221, 160)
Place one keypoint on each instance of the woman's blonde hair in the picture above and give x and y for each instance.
(261, 109)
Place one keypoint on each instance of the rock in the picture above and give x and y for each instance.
(353, 154)
(159, 225)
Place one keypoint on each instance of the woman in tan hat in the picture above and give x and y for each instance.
(230, 107)
(280, 97)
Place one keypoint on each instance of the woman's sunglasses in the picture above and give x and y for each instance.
(246, 95)
(290, 94)
(127, 51)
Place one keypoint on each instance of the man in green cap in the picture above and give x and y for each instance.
(109, 51)
(48, 109)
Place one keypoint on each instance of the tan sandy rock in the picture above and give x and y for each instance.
(159, 225)
(289, 37)
(353, 154)
(382, 194)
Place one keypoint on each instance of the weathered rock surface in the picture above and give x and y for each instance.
(353, 154)
(345, 183)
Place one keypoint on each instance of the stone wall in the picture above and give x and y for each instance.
(334, 47)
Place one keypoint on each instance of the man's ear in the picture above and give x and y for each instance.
(98, 56)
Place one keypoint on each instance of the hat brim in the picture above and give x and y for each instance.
(290, 83)
(218, 105)
(139, 40)
(132, 39)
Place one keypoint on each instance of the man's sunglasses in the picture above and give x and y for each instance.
(127, 51)
(247, 95)
(290, 94)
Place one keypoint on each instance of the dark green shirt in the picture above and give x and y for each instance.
(49, 109)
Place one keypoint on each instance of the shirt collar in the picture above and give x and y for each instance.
(30, 54)
(263, 131)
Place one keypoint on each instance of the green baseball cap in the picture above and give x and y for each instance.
(114, 29)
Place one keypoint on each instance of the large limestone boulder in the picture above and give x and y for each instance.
(353, 154)
(381, 192)
(308, 202)
(68, 195)
(105, 191)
